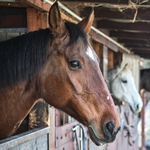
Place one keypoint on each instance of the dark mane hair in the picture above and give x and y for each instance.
(21, 57)
(75, 32)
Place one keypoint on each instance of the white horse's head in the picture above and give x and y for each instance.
(122, 87)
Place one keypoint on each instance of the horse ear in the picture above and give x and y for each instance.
(124, 66)
(86, 23)
(56, 23)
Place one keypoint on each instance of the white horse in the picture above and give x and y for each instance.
(121, 85)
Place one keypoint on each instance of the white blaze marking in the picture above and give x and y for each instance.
(90, 53)
(107, 97)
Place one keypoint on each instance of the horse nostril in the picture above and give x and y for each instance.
(137, 106)
(109, 129)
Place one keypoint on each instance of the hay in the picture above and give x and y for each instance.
(132, 4)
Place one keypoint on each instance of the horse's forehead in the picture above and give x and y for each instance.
(91, 53)
(126, 73)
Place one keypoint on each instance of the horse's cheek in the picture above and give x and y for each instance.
(76, 85)
(54, 91)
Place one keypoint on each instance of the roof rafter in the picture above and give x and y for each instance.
(103, 13)
(138, 26)
(130, 35)
(38, 4)
(130, 41)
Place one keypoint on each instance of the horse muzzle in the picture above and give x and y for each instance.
(108, 131)
(136, 107)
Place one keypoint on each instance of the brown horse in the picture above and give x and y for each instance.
(59, 65)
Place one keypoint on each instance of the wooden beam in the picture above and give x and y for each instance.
(130, 35)
(100, 39)
(130, 41)
(105, 13)
(138, 46)
(13, 17)
(98, 1)
(144, 55)
(12, 4)
(38, 4)
(12, 11)
(141, 49)
(138, 26)
(111, 3)
(16, 141)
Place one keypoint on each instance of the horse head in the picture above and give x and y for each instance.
(122, 86)
(71, 79)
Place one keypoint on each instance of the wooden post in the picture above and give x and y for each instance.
(102, 53)
(52, 137)
(110, 59)
(96, 47)
(143, 118)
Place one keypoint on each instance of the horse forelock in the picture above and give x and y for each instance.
(75, 32)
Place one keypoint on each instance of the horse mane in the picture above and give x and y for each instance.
(112, 71)
(21, 57)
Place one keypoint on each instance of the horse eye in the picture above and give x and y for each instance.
(75, 64)
(124, 81)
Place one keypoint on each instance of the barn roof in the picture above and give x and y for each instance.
(126, 21)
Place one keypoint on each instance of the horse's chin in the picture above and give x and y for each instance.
(94, 138)
(97, 140)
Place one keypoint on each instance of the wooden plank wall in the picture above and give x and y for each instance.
(52, 139)
(110, 59)
(13, 17)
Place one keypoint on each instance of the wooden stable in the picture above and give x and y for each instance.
(19, 17)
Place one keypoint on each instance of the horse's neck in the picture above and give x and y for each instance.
(16, 102)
